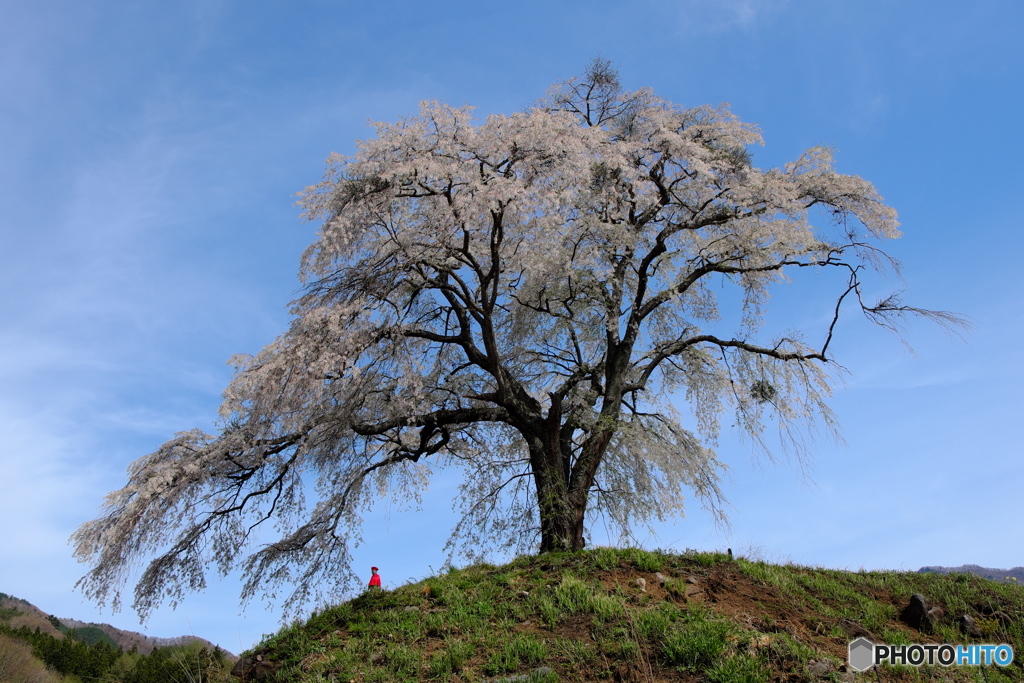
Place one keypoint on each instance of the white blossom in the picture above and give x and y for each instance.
(521, 298)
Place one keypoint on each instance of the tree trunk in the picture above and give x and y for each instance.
(562, 494)
(563, 488)
(561, 522)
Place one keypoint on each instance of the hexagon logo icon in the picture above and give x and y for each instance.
(862, 654)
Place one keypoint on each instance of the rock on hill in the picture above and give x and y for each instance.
(15, 612)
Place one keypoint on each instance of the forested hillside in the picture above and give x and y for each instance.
(40, 648)
(15, 613)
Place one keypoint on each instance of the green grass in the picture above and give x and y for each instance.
(584, 617)
(738, 669)
(512, 655)
(697, 645)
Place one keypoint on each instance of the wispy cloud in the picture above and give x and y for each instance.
(702, 16)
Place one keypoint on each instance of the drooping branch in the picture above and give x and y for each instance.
(528, 298)
(434, 420)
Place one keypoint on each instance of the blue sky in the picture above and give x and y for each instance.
(150, 154)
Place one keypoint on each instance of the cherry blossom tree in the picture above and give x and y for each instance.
(525, 299)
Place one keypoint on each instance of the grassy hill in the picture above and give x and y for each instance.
(630, 615)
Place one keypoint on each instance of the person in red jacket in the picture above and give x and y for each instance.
(375, 579)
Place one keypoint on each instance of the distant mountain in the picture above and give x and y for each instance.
(15, 612)
(1001, 575)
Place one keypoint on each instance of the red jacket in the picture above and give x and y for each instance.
(375, 581)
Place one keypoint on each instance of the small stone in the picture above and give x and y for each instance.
(694, 594)
(819, 668)
(524, 594)
(411, 608)
(692, 579)
(643, 584)
(254, 669)
(968, 626)
(915, 614)
(537, 674)
(662, 579)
